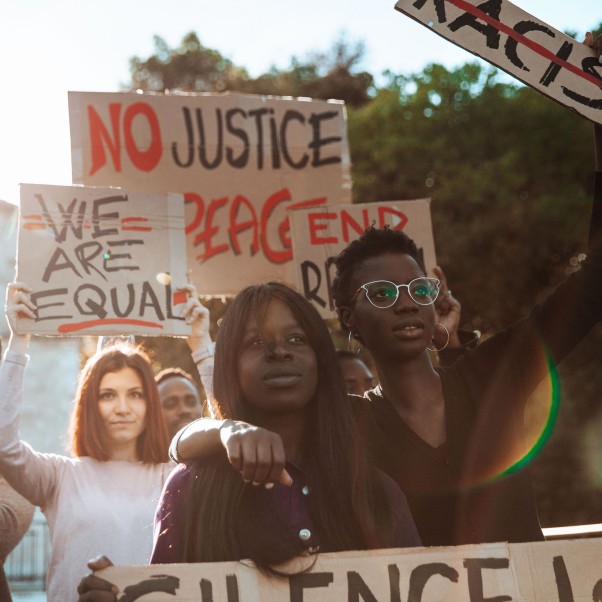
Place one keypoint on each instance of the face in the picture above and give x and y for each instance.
(277, 367)
(358, 378)
(180, 401)
(402, 330)
(122, 407)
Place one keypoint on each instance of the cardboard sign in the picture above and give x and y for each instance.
(321, 233)
(239, 160)
(520, 44)
(102, 261)
(568, 571)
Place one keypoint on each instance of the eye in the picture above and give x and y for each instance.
(106, 395)
(255, 342)
(137, 394)
(297, 339)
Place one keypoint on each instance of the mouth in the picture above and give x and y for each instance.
(281, 378)
(409, 329)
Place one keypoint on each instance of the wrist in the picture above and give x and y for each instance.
(203, 352)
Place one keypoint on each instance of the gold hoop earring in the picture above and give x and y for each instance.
(350, 344)
(446, 342)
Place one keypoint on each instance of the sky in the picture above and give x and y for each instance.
(48, 48)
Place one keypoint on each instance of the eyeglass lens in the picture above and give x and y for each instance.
(384, 294)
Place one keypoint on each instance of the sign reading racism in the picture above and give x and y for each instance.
(102, 260)
(320, 233)
(568, 571)
(520, 44)
(240, 160)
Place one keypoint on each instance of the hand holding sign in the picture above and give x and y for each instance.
(19, 307)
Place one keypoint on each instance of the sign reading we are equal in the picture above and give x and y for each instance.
(102, 260)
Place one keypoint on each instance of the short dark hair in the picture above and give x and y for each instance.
(168, 373)
(372, 243)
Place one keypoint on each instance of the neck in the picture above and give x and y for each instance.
(125, 452)
(408, 382)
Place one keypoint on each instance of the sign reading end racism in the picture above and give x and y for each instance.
(535, 53)
(568, 571)
(320, 233)
(102, 261)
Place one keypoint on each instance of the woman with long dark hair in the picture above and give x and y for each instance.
(276, 367)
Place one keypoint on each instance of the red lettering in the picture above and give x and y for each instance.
(210, 231)
(144, 160)
(285, 226)
(315, 225)
(347, 220)
(382, 219)
(237, 227)
(271, 254)
(189, 198)
(99, 136)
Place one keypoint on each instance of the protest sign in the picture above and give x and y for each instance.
(319, 234)
(102, 261)
(240, 161)
(522, 45)
(566, 571)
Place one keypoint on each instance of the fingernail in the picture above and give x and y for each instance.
(269, 485)
(255, 483)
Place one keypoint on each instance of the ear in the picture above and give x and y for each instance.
(346, 317)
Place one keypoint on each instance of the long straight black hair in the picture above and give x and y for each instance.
(223, 515)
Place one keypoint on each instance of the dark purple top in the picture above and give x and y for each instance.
(291, 507)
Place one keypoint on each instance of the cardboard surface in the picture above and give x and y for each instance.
(564, 571)
(321, 233)
(102, 261)
(521, 44)
(240, 161)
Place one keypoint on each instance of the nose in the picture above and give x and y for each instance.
(404, 302)
(277, 350)
(123, 407)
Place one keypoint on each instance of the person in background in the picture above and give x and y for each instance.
(180, 398)
(356, 374)
(103, 498)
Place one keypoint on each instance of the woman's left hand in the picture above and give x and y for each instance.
(18, 306)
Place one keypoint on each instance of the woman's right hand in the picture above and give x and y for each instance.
(18, 306)
(95, 589)
(257, 453)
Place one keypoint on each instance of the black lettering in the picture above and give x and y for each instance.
(590, 65)
(592, 103)
(357, 587)
(474, 568)
(149, 299)
(219, 147)
(311, 294)
(297, 583)
(554, 68)
(258, 114)
(96, 216)
(90, 307)
(67, 219)
(563, 583)
(394, 578)
(422, 573)
(157, 583)
(439, 8)
(288, 116)
(190, 135)
(317, 142)
(328, 268)
(81, 252)
(491, 33)
(54, 265)
(109, 257)
(168, 304)
(35, 297)
(232, 588)
(274, 144)
(131, 301)
(243, 158)
(511, 46)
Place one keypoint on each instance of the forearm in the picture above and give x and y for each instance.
(199, 439)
